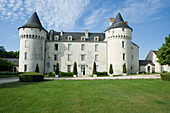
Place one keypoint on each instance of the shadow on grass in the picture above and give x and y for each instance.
(20, 84)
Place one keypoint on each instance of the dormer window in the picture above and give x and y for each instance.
(123, 29)
(56, 38)
(83, 38)
(96, 38)
(69, 38)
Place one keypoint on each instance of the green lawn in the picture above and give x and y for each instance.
(87, 96)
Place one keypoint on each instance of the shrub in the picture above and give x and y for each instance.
(164, 71)
(75, 68)
(5, 65)
(102, 74)
(50, 74)
(31, 77)
(57, 69)
(65, 74)
(94, 68)
(124, 68)
(165, 76)
(37, 69)
(111, 69)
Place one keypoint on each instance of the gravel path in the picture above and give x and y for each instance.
(8, 80)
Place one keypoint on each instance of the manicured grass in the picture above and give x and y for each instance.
(7, 76)
(86, 96)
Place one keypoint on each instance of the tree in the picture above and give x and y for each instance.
(57, 69)
(5, 65)
(37, 69)
(10, 54)
(164, 52)
(124, 68)
(75, 68)
(94, 69)
(2, 52)
(111, 69)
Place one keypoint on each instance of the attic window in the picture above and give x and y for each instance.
(96, 38)
(83, 38)
(69, 38)
(56, 38)
(123, 29)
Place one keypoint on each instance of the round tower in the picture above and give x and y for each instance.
(118, 37)
(32, 45)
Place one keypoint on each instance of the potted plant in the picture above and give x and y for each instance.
(57, 70)
(75, 70)
(124, 69)
(111, 70)
(94, 70)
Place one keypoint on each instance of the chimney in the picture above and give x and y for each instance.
(51, 34)
(61, 33)
(111, 21)
(86, 34)
(126, 22)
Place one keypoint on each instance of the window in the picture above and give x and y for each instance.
(26, 43)
(25, 68)
(69, 38)
(82, 47)
(69, 57)
(96, 47)
(96, 38)
(25, 56)
(56, 38)
(54, 68)
(123, 56)
(132, 57)
(96, 57)
(112, 32)
(97, 67)
(56, 47)
(123, 44)
(83, 38)
(109, 31)
(123, 29)
(68, 68)
(69, 47)
(82, 57)
(55, 57)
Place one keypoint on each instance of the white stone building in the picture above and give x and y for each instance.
(150, 64)
(37, 46)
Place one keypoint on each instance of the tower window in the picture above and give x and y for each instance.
(132, 57)
(123, 29)
(82, 57)
(123, 56)
(68, 68)
(82, 47)
(69, 38)
(56, 47)
(123, 44)
(25, 68)
(69, 47)
(54, 68)
(96, 47)
(96, 57)
(69, 57)
(55, 57)
(26, 43)
(25, 56)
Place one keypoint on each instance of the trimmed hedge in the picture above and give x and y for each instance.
(10, 73)
(65, 74)
(50, 74)
(31, 77)
(165, 76)
(102, 74)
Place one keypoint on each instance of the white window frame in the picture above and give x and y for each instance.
(96, 47)
(123, 44)
(82, 57)
(69, 57)
(96, 38)
(83, 38)
(69, 38)
(25, 56)
(56, 38)
(82, 47)
(68, 68)
(55, 57)
(96, 57)
(69, 47)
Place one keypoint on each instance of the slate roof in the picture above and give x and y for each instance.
(145, 62)
(119, 23)
(15, 61)
(76, 36)
(33, 22)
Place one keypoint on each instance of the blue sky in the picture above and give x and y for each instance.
(150, 19)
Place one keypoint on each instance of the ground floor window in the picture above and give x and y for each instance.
(54, 67)
(25, 68)
(68, 68)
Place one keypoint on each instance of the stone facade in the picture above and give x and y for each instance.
(115, 47)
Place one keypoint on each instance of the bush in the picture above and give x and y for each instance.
(5, 65)
(75, 68)
(65, 74)
(164, 71)
(124, 68)
(31, 77)
(102, 74)
(50, 74)
(94, 68)
(165, 76)
(57, 69)
(37, 69)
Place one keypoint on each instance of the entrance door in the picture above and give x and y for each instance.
(82, 69)
(149, 69)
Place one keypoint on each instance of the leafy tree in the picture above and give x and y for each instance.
(94, 69)
(10, 54)
(111, 69)
(164, 52)
(124, 68)
(75, 68)
(2, 52)
(37, 69)
(5, 65)
(57, 69)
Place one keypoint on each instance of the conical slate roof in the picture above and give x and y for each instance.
(119, 23)
(33, 22)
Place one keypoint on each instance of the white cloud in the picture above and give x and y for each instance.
(54, 14)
